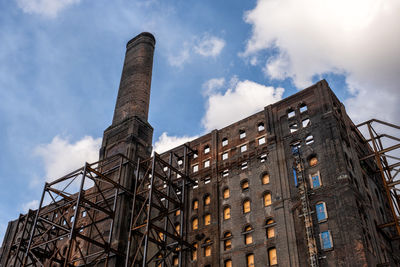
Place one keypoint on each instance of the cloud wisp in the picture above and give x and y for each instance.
(356, 39)
(61, 156)
(47, 8)
(166, 142)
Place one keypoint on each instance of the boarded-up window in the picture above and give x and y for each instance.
(207, 247)
(313, 161)
(195, 204)
(245, 185)
(207, 219)
(195, 224)
(194, 252)
(267, 199)
(270, 225)
(248, 236)
(272, 256)
(227, 213)
(226, 193)
(322, 215)
(265, 179)
(246, 206)
(250, 260)
(326, 240)
(315, 180)
(207, 200)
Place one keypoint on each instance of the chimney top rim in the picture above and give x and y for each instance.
(139, 38)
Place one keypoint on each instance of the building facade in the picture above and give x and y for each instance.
(283, 187)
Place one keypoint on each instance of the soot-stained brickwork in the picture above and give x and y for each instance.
(247, 206)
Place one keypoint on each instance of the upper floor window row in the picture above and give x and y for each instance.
(292, 113)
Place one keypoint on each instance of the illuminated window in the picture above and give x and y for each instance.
(313, 161)
(261, 141)
(243, 148)
(246, 206)
(195, 204)
(315, 180)
(226, 193)
(250, 260)
(227, 241)
(177, 212)
(206, 163)
(175, 261)
(265, 179)
(195, 224)
(270, 226)
(160, 236)
(267, 199)
(227, 213)
(273, 260)
(242, 134)
(245, 185)
(207, 200)
(225, 156)
(194, 252)
(228, 263)
(326, 240)
(225, 142)
(207, 219)
(260, 127)
(206, 149)
(195, 168)
(248, 235)
(322, 215)
(177, 229)
(207, 247)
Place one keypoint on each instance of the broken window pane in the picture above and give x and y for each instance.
(227, 213)
(293, 127)
(242, 134)
(206, 149)
(225, 142)
(207, 163)
(305, 122)
(260, 127)
(309, 140)
(195, 168)
(261, 141)
(243, 148)
(291, 113)
(225, 156)
(303, 108)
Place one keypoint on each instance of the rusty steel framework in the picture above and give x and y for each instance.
(78, 239)
(385, 149)
(19, 241)
(158, 217)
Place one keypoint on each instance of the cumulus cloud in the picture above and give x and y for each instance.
(209, 46)
(48, 8)
(243, 99)
(205, 46)
(358, 39)
(166, 142)
(212, 85)
(61, 157)
(31, 205)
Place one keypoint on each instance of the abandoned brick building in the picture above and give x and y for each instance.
(295, 184)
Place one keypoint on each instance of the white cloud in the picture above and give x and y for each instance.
(244, 99)
(181, 58)
(212, 85)
(61, 157)
(357, 38)
(209, 46)
(48, 8)
(31, 205)
(165, 142)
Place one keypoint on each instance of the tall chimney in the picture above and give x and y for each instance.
(134, 89)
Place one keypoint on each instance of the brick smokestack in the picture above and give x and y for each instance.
(134, 89)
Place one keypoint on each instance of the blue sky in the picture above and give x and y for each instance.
(61, 61)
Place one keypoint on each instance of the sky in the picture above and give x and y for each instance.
(215, 62)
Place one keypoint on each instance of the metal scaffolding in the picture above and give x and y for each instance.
(385, 149)
(74, 223)
(19, 241)
(298, 172)
(158, 217)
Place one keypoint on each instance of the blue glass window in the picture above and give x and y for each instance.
(321, 211)
(315, 181)
(326, 241)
